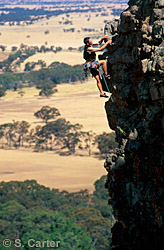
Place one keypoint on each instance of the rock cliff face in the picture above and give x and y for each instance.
(135, 177)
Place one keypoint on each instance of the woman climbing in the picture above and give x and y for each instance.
(90, 57)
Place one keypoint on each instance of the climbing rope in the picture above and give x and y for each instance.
(102, 74)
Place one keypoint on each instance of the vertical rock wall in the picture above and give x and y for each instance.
(136, 175)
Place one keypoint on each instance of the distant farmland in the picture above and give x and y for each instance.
(31, 11)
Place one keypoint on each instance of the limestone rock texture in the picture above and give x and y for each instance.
(135, 177)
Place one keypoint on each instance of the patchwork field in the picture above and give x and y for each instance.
(71, 58)
(56, 31)
(35, 34)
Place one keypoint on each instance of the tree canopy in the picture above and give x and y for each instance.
(106, 141)
(47, 113)
(56, 73)
(2, 92)
(41, 225)
(29, 210)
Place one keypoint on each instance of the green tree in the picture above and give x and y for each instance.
(72, 137)
(29, 66)
(98, 227)
(9, 130)
(58, 49)
(2, 48)
(100, 191)
(45, 79)
(41, 225)
(11, 214)
(47, 88)
(105, 142)
(70, 141)
(100, 198)
(47, 113)
(2, 92)
(41, 63)
(30, 138)
(1, 135)
(13, 48)
(59, 127)
(88, 140)
(63, 133)
(55, 131)
(42, 136)
(46, 225)
(29, 210)
(80, 198)
(31, 194)
(15, 132)
(22, 130)
(42, 49)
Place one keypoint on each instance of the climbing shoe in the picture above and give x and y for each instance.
(107, 76)
(104, 95)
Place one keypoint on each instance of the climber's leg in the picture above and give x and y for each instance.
(104, 66)
(99, 85)
(95, 74)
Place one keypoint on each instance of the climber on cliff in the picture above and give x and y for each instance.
(91, 63)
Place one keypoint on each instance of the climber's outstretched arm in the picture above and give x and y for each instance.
(102, 39)
(91, 49)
